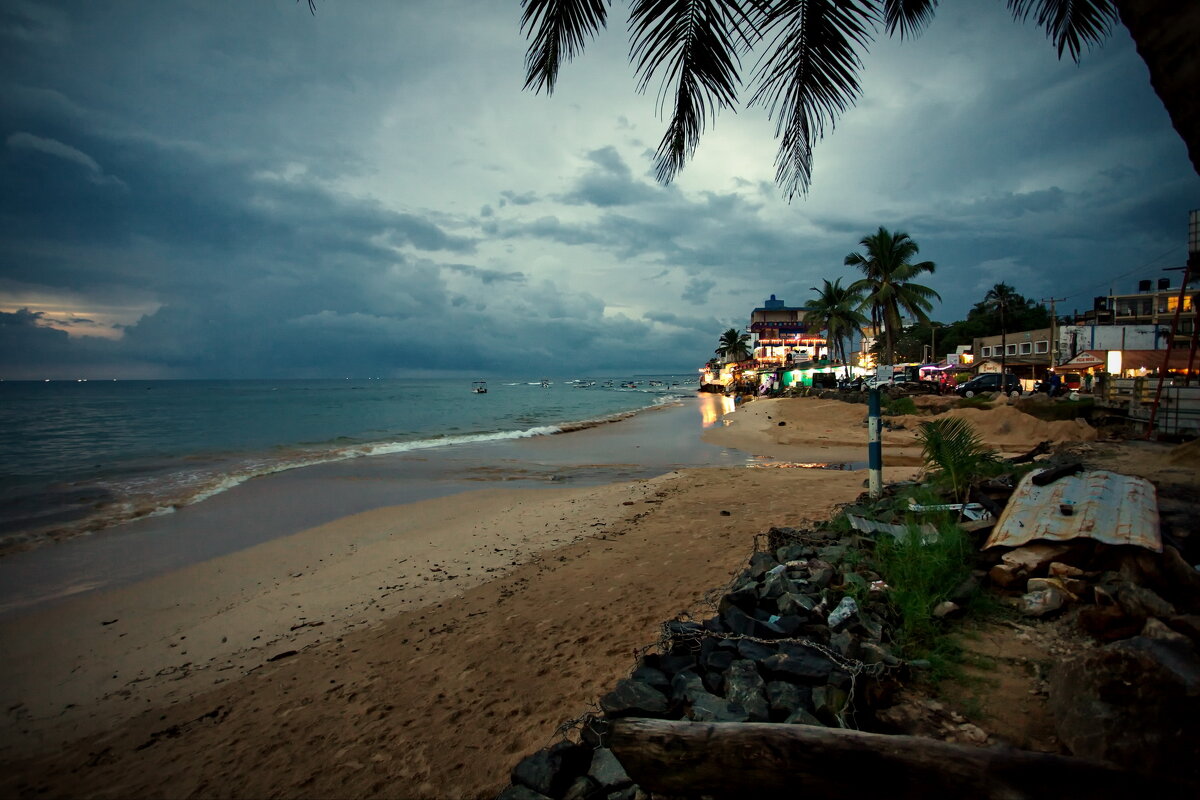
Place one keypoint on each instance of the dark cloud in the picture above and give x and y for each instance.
(610, 182)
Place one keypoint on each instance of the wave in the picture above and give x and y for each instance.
(165, 491)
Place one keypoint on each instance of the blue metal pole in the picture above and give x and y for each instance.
(874, 445)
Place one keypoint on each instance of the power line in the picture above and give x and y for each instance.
(1108, 281)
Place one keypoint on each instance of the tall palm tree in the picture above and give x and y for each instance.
(734, 346)
(887, 286)
(809, 52)
(1001, 297)
(836, 311)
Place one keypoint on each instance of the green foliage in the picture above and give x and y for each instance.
(921, 574)
(835, 310)
(955, 449)
(897, 406)
(888, 284)
(1063, 409)
(978, 401)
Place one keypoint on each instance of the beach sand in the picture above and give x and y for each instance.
(411, 651)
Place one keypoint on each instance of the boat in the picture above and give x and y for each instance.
(545, 383)
(479, 387)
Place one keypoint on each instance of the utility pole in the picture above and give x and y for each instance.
(1053, 328)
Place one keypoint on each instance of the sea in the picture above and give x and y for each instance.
(104, 482)
(81, 456)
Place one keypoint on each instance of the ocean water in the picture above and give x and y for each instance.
(80, 457)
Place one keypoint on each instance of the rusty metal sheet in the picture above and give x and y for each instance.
(1101, 505)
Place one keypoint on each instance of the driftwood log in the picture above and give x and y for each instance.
(727, 759)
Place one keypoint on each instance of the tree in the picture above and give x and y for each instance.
(888, 286)
(836, 311)
(999, 297)
(809, 55)
(734, 346)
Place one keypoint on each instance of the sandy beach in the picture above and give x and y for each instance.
(416, 650)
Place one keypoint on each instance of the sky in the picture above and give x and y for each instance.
(219, 189)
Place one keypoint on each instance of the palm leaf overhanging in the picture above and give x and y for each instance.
(806, 78)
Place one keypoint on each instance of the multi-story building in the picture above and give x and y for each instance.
(1154, 303)
(782, 337)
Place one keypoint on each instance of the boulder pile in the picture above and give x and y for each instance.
(800, 636)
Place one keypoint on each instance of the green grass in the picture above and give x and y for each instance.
(978, 401)
(922, 574)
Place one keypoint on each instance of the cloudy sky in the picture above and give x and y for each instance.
(232, 189)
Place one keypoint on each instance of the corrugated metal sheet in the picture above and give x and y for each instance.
(1102, 505)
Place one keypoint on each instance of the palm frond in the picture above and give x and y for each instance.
(694, 44)
(557, 30)
(1070, 24)
(907, 16)
(953, 446)
(810, 77)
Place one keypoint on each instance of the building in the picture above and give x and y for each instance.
(1154, 303)
(781, 337)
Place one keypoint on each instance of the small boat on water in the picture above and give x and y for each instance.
(479, 387)
(545, 383)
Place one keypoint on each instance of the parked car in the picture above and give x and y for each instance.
(990, 382)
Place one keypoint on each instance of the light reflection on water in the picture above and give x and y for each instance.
(713, 407)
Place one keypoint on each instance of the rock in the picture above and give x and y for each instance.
(652, 677)
(820, 573)
(1042, 584)
(791, 624)
(755, 651)
(1157, 629)
(872, 653)
(808, 667)
(686, 685)
(518, 792)
(633, 698)
(792, 603)
(1030, 558)
(965, 590)
(607, 771)
(670, 664)
(581, 788)
(785, 698)
(774, 585)
(760, 562)
(719, 660)
(1135, 703)
(1058, 569)
(627, 793)
(946, 608)
(1003, 575)
(682, 629)
(1041, 603)
(1138, 601)
(1187, 624)
(707, 707)
(744, 686)
(739, 621)
(790, 552)
(552, 770)
(828, 703)
(845, 643)
(802, 716)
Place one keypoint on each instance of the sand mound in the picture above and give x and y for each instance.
(934, 402)
(1186, 454)
(1006, 428)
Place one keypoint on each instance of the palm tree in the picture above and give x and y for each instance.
(1000, 297)
(734, 346)
(810, 52)
(888, 287)
(836, 311)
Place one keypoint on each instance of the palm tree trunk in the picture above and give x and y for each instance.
(1167, 36)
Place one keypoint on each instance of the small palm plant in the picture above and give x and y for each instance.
(953, 446)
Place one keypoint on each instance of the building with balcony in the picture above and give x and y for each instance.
(1153, 304)
(781, 337)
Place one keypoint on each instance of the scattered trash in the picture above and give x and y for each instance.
(972, 511)
(899, 532)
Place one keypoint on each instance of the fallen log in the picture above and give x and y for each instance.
(729, 759)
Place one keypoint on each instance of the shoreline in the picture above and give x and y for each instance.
(287, 502)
